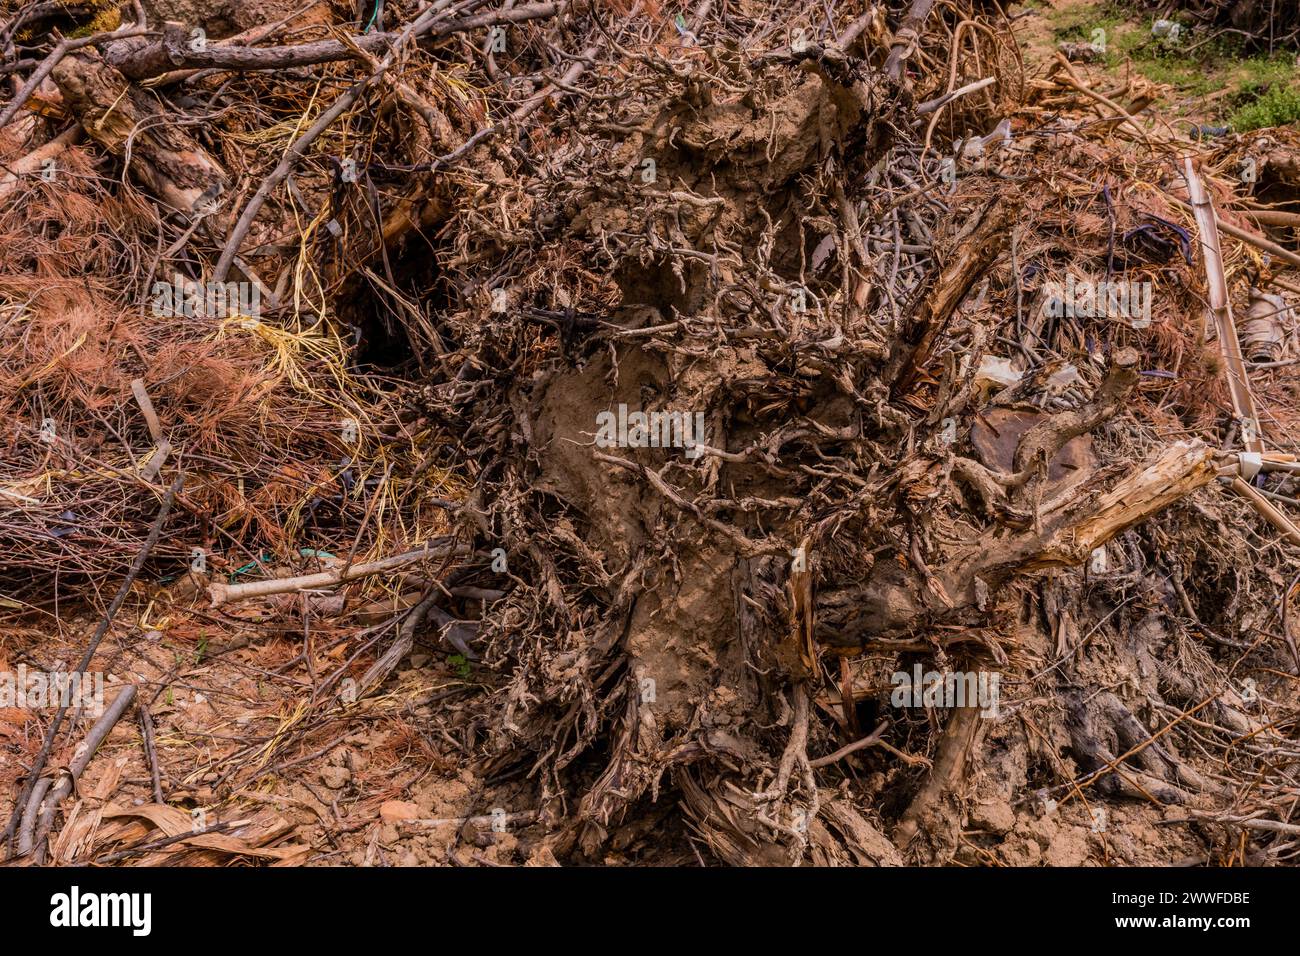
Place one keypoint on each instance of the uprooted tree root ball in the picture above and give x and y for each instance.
(785, 436)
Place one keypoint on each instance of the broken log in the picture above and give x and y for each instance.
(36, 159)
(129, 124)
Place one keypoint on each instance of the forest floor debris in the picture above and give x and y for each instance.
(594, 415)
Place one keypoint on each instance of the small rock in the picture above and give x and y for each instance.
(335, 777)
(995, 815)
(542, 856)
(394, 810)
(1080, 52)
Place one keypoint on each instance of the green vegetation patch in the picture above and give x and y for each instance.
(1259, 90)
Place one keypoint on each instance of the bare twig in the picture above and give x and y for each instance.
(39, 763)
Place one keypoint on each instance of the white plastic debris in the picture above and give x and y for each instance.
(978, 145)
(996, 371)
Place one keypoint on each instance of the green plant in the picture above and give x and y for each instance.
(1262, 72)
(1079, 23)
(459, 662)
(1279, 106)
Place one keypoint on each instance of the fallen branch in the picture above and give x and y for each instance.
(143, 59)
(39, 763)
(1266, 509)
(27, 827)
(69, 777)
(36, 159)
(150, 751)
(222, 593)
(56, 56)
(1272, 826)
